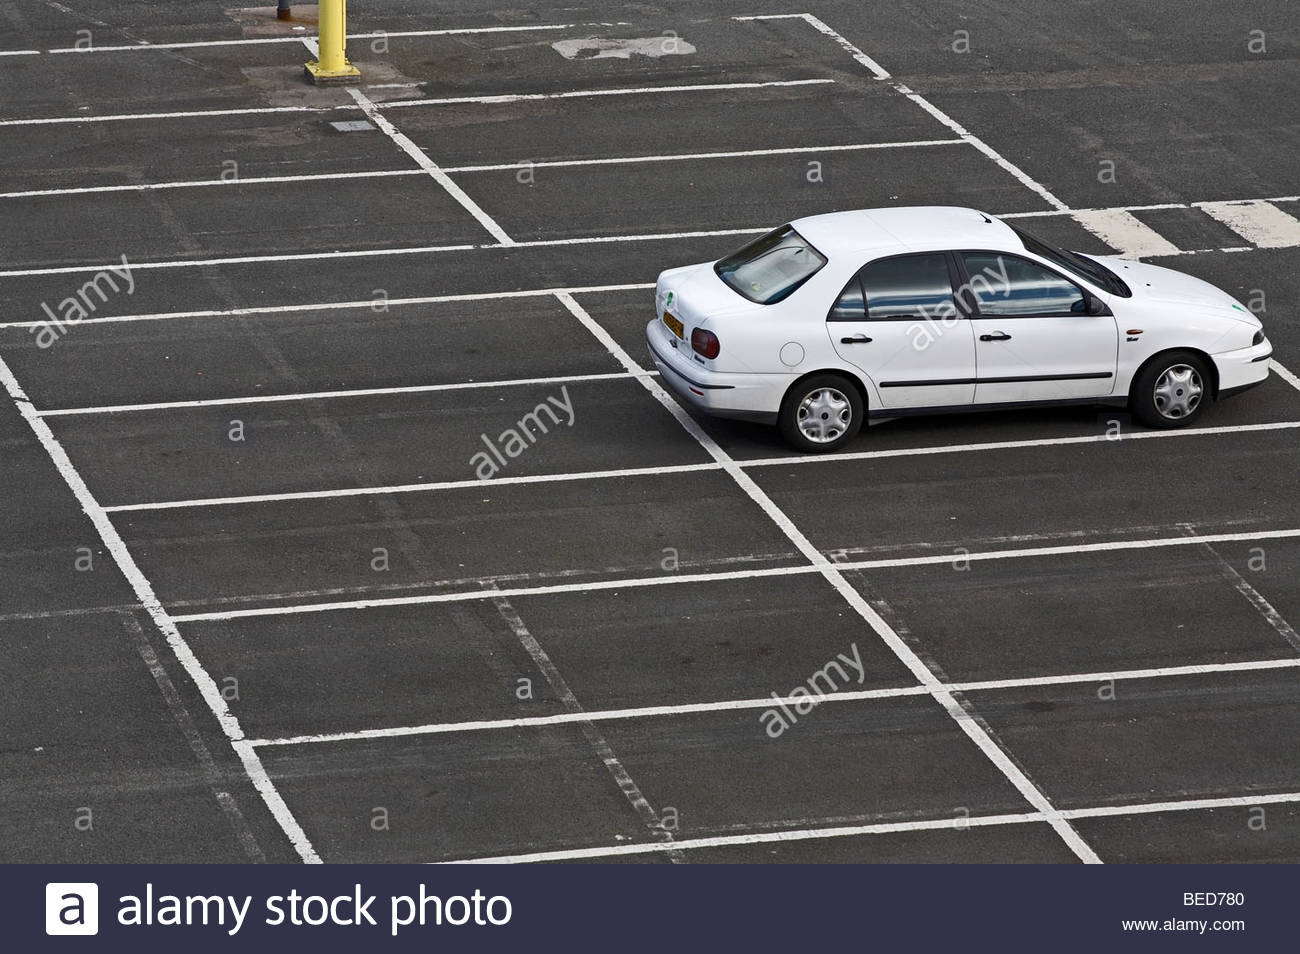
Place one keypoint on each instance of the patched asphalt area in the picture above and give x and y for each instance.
(608, 647)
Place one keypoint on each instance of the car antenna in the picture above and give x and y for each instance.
(984, 217)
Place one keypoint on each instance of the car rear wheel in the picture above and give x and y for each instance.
(1172, 390)
(822, 413)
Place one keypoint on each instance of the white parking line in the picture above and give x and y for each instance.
(746, 574)
(1125, 232)
(382, 252)
(959, 823)
(620, 473)
(595, 93)
(1260, 223)
(327, 395)
(166, 625)
(429, 166)
(765, 702)
(245, 260)
(210, 183)
(185, 114)
(443, 101)
(426, 487)
(696, 156)
(368, 303)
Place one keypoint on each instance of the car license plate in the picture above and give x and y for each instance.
(678, 328)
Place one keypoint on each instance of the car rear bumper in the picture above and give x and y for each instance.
(751, 397)
(1242, 369)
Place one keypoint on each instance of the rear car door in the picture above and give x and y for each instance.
(1034, 338)
(897, 321)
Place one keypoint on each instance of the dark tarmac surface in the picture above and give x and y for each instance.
(427, 667)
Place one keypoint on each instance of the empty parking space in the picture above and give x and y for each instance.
(448, 541)
(527, 60)
(1075, 614)
(374, 345)
(292, 280)
(1253, 832)
(825, 766)
(344, 672)
(85, 88)
(709, 645)
(717, 772)
(442, 798)
(218, 149)
(204, 223)
(708, 642)
(653, 124)
(379, 441)
(86, 728)
(715, 194)
(1146, 141)
(1040, 493)
(1152, 740)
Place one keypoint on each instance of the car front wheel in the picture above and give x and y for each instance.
(1172, 390)
(821, 413)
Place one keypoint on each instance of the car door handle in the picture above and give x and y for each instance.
(856, 339)
(996, 336)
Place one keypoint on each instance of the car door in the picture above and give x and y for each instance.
(897, 320)
(1034, 338)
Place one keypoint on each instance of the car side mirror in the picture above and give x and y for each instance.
(1093, 305)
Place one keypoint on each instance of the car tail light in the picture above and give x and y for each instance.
(705, 343)
(1259, 338)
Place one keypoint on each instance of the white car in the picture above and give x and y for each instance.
(878, 313)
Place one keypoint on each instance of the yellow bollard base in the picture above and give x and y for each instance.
(348, 75)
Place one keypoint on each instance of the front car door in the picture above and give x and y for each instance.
(1034, 338)
(898, 321)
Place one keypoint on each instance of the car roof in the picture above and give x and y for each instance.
(917, 228)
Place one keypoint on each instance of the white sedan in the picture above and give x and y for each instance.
(879, 313)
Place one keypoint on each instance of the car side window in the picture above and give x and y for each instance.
(908, 287)
(850, 306)
(1013, 287)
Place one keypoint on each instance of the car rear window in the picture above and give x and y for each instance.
(772, 266)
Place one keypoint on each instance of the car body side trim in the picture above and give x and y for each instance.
(1001, 380)
(891, 412)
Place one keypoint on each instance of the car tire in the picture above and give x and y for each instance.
(821, 413)
(1171, 390)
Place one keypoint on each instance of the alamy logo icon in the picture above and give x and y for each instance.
(71, 907)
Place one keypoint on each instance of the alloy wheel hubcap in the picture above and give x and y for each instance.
(1178, 392)
(824, 415)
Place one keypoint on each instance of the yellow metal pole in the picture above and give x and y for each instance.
(331, 65)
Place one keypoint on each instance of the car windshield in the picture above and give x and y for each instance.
(1080, 265)
(771, 267)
